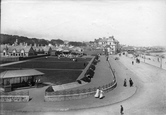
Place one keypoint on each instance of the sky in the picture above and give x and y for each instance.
(131, 22)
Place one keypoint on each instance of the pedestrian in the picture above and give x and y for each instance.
(101, 94)
(84, 64)
(36, 83)
(121, 109)
(131, 82)
(132, 62)
(125, 83)
(97, 93)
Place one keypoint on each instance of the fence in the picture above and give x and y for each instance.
(77, 94)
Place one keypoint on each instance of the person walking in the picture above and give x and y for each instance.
(121, 110)
(132, 62)
(97, 94)
(84, 64)
(125, 83)
(131, 82)
(101, 94)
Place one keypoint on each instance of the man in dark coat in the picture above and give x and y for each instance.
(125, 84)
(121, 109)
(131, 82)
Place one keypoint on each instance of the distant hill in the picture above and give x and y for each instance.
(10, 39)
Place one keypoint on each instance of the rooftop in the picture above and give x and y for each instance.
(19, 73)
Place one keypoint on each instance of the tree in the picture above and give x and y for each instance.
(57, 41)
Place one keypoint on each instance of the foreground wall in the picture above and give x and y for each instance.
(14, 96)
(10, 98)
(107, 88)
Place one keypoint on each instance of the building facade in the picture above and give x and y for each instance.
(110, 44)
(16, 51)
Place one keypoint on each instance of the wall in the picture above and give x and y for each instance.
(80, 95)
(16, 98)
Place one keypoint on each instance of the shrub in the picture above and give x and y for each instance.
(79, 81)
(86, 79)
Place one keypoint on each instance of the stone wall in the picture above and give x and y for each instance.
(15, 98)
(78, 96)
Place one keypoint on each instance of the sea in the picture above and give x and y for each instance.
(163, 54)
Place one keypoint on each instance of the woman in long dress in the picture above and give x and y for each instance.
(101, 94)
(97, 93)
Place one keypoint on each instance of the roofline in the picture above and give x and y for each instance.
(21, 76)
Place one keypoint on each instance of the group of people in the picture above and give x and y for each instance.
(130, 82)
(99, 94)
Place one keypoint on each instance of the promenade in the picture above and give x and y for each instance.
(101, 77)
(149, 98)
(152, 60)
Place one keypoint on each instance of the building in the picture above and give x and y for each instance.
(47, 50)
(38, 49)
(16, 51)
(110, 44)
(19, 78)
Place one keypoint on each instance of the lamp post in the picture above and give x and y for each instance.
(160, 62)
(144, 57)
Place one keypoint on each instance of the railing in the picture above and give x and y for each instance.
(79, 91)
(77, 94)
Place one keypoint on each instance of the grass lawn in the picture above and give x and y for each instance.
(53, 58)
(3, 62)
(50, 65)
(2, 69)
(59, 76)
(55, 76)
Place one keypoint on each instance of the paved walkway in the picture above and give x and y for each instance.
(11, 63)
(102, 76)
(152, 60)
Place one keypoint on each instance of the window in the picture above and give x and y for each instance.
(22, 52)
(6, 81)
(14, 54)
(4, 52)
